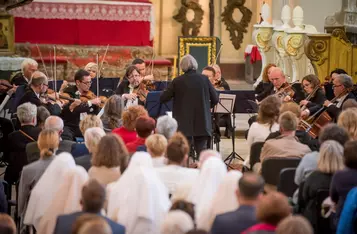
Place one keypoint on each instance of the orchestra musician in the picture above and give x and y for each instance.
(28, 67)
(34, 94)
(74, 112)
(329, 83)
(219, 79)
(140, 64)
(265, 87)
(311, 86)
(127, 86)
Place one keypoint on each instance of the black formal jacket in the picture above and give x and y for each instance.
(17, 148)
(263, 90)
(224, 84)
(193, 96)
(316, 102)
(18, 79)
(72, 119)
(123, 88)
(30, 96)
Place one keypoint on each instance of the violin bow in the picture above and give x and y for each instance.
(219, 52)
(105, 55)
(97, 74)
(43, 62)
(55, 69)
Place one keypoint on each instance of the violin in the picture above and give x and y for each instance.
(89, 95)
(285, 90)
(143, 89)
(311, 95)
(5, 86)
(217, 85)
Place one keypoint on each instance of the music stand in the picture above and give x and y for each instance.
(226, 105)
(153, 105)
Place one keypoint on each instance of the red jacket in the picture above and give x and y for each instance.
(131, 146)
(125, 134)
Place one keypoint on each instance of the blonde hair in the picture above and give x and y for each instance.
(348, 121)
(90, 121)
(48, 142)
(156, 144)
(288, 121)
(331, 157)
(92, 137)
(291, 106)
(294, 225)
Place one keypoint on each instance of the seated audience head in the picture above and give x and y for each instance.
(333, 132)
(113, 111)
(156, 145)
(92, 138)
(272, 208)
(83, 80)
(144, 126)
(166, 126)
(140, 64)
(217, 69)
(349, 103)
(7, 224)
(250, 188)
(39, 82)
(206, 154)
(267, 69)
(337, 72)
(341, 83)
(197, 231)
(132, 74)
(27, 114)
(277, 77)
(111, 152)
(177, 222)
(90, 121)
(28, 67)
(348, 120)
(131, 115)
(294, 225)
(269, 110)
(185, 206)
(188, 63)
(42, 115)
(291, 106)
(83, 223)
(93, 197)
(349, 154)
(54, 122)
(92, 69)
(288, 123)
(210, 73)
(177, 149)
(48, 142)
(331, 157)
(309, 83)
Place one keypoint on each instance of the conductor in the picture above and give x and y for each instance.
(193, 96)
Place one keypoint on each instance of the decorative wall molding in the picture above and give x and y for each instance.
(194, 25)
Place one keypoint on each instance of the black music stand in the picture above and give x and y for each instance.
(154, 107)
(231, 110)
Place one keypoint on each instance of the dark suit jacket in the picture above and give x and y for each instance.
(19, 79)
(193, 96)
(17, 148)
(234, 222)
(316, 101)
(30, 96)
(84, 161)
(263, 90)
(65, 222)
(33, 152)
(78, 150)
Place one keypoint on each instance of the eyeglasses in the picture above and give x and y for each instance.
(87, 83)
(336, 86)
(306, 85)
(134, 76)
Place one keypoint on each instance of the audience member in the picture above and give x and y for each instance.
(156, 145)
(92, 200)
(347, 221)
(349, 103)
(26, 114)
(166, 126)
(109, 159)
(90, 121)
(330, 161)
(48, 142)
(343, 181)
(294, 225)
(127, 131)
(139, 200)
(112, 113)
(348, 120)
(185, 206)
(52, 122)
(42, 115)
(174, 172)
(7, 224)
(91, 139)
(95, 226)
(176, 222)
(272, 208)
(223, 201)
(144, 127)
(250, 188)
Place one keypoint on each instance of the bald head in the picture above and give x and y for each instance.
(276, 77)
(250, 186)
(39, 78)
(54, 122)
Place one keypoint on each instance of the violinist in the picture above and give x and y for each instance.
(75, 111)
(140, 64)
(315, 95)
(219, 79)
(329, 82)
(35, 91)
(265, 87)
(28, 67)
(210, 73)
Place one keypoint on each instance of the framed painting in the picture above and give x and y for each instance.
(7, 35)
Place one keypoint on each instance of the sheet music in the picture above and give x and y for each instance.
(225, 104)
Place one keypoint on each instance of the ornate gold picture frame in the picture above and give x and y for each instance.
(7, 35)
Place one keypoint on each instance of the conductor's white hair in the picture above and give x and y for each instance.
(26, 112)
(27, 62)
(54, 122)
(177, 222)
(188, 62)
(166, 126)
(92, 137)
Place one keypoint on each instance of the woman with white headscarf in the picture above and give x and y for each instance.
(204, 188)
(224, 200)
(66, 200)
(47, 187)
(177, 222)
(139, 200)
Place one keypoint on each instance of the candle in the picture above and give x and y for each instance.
(175, 66)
